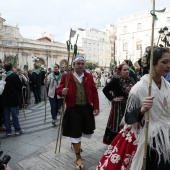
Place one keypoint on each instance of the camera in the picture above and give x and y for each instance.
(4, 160)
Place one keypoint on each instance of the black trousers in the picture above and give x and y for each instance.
(78, 120)
(37, 93)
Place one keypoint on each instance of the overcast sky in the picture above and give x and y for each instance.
(58, 16)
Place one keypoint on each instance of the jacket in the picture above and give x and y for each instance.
(10, 95)
(89, 87)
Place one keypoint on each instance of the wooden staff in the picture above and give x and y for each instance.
(147, 115)
(60, 130)
(23, 102)
(45, 91)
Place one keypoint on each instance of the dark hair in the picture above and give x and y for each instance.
(8, 67)
(57, 65)
(0, 61)
(36, 66)
(157, 54)
(121, 67)
(130, 64)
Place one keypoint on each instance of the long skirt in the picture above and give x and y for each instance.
(113, 123)
(120, 154)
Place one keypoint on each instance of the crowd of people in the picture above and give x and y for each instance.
(127, 90)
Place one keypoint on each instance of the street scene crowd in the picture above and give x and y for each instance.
(125, 86)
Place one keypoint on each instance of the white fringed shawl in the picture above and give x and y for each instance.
(159, 124)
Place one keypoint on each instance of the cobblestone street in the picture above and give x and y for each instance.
(35, 149)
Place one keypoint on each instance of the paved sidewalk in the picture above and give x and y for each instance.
(35, 151)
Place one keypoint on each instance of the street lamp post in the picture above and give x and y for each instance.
(164, 36)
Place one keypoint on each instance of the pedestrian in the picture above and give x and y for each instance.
(10, 100)
(36, 84)
(53, 82)
(43, 72)
(127, 149)
(82, 104)
(117, 91)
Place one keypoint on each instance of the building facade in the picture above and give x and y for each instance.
(43, 51)
(95, 44)
(134, 34)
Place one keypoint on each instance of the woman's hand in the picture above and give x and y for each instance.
(147, 104)
(118, 99)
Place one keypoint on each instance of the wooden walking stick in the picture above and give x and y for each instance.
(23, 105)
(147, 115)
(59, 135)
(45, 91)
(149, 90)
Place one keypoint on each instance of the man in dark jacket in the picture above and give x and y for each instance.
(43, 72)
(10, 100)
(36, 84)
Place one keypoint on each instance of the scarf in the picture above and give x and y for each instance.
(9, 73)
(56, 77)
(125, 82)
(36, 71)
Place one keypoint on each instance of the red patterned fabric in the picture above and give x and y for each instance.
(120, 153)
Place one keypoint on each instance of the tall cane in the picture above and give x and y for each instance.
(23, 101)
(45, 92)
(59, 135)
(149, 90)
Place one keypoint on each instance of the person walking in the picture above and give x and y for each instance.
(117, 91)
(36, 84)
(52, 82)
(127, 149)
(10, 100)
(82, 104)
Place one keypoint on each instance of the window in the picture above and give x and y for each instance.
(125, 29)
(168, 19)
(125, 46)
(139, 26)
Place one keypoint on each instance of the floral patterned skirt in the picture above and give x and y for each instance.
(120, 152)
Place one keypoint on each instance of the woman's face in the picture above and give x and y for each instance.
(125, 71)
(55, 69)
(163, 66)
